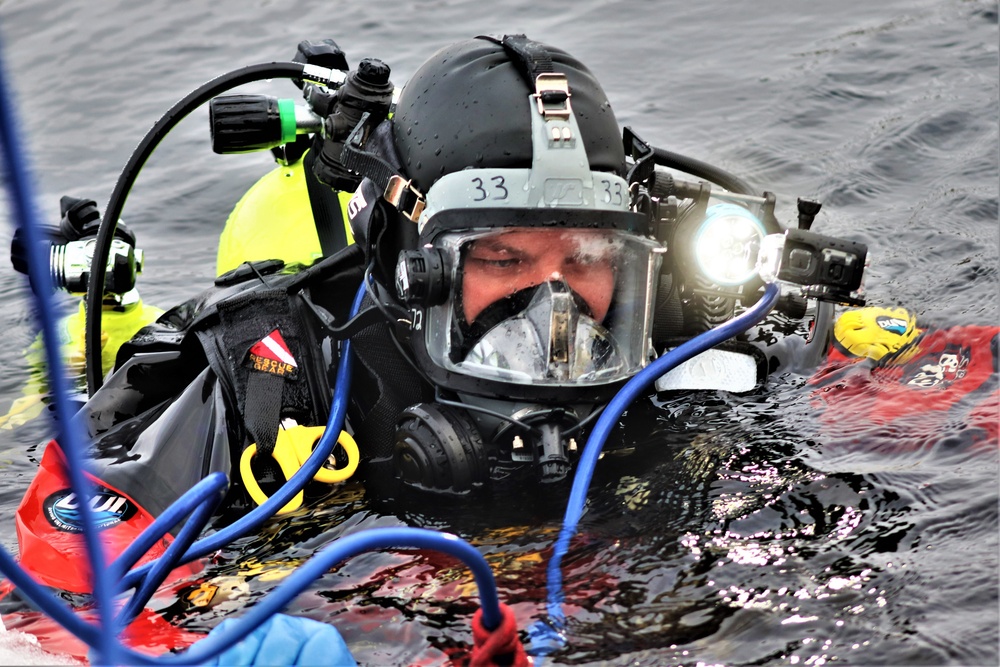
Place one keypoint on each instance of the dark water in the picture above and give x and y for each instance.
(745, 532)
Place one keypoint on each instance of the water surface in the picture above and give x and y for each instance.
(745, 531)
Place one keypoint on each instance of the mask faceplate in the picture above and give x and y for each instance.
(549, 306)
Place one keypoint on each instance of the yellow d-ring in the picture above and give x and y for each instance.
(287, 461)
(304, 449)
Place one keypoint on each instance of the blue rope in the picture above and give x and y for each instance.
(26, 218)
(548, 637)
(199, 502)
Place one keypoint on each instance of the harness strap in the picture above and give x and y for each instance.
(327, 212)
(530, 57)
(262, 410)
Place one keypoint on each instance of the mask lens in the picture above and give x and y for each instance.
(496, 266)
(545, 305)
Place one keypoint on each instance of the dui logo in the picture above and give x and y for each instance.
(940, 368)
(894, 325)
(108, 508)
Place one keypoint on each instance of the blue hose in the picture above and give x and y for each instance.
(207, 494)
(548, 637)
(343, 548)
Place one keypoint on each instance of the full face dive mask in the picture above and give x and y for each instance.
(530, 297)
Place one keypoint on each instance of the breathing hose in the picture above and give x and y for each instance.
(176, 113)
(700, 169)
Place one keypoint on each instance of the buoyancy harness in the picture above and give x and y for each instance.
(186, 398)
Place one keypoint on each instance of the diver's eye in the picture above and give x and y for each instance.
(496, 262)
(495, 256)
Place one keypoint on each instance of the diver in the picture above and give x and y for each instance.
(511, 261)
(509, 274)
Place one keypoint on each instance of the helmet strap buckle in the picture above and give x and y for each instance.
(552, 96)
(402, 195)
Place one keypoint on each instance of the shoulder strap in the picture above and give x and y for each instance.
(327, 212)
(261, 349)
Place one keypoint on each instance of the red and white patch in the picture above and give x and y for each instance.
(271, 355)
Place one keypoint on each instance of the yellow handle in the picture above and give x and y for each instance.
(284, 454)
(293, 446)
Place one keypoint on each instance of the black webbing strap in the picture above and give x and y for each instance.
(262, 411)
(395, 187)
(327, 212)
(357, 159)
(529, 57)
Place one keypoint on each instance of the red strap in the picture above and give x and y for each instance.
(501, 646)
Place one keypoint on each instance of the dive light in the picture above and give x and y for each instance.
(724, 247)
(726, 243)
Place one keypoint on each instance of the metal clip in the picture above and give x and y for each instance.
(552, 95)
(396, 189)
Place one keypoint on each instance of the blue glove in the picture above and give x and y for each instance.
(286, 641)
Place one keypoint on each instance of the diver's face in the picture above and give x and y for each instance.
(501, 264)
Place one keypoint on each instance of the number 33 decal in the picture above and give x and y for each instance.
(613, 195)
(495, 189)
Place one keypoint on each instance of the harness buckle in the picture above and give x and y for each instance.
(400, 193)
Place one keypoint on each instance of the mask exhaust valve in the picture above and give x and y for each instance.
(553, 462)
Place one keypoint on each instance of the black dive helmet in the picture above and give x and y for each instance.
(497, 219)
